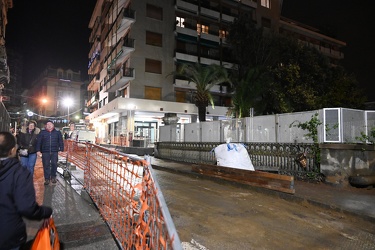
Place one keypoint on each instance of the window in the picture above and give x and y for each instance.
(265, 3)
(152, 93)
(153, 38)
(180, 96)
(154, 12)
(153, 66)
(223, 33)
(202, 28)
(180, 22)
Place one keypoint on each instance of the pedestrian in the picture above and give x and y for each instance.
(49, 143)
(26, 139)
(17, 196)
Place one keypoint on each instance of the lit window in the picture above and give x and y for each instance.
(223, 33)
(265, 3)
(202, 28)
(180, 22)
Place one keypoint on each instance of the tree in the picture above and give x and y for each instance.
(246, 93)
(278, 74)
(204, 77)
(343, 91)
(252, 51)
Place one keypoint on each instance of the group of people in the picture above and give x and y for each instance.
(17, 193)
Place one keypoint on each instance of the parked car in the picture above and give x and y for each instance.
(84, 136)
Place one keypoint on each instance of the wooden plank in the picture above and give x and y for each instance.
(282, 183)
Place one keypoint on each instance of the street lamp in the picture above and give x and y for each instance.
(68, 102)
(44, 102)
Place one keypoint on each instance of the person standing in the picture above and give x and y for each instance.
(49, 143)
(17, 196)
(26, 139)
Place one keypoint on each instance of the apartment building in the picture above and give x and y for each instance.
(136, 45)
(57, 95)
(4, 70)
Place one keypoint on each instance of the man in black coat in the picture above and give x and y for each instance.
(17, 196)
(49, 143)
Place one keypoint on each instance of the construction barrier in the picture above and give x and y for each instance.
(127, 196)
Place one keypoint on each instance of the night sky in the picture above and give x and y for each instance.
(56, 33)
(50, 33)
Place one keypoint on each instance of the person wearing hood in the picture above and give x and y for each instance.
(26, 139)
(49, 143)
(17, 196)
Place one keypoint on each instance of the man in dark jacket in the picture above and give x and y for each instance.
(49, 143)
(17, 196)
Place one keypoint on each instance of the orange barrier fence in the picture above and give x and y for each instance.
(127, 196)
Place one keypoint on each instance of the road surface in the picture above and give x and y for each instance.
(217, 216)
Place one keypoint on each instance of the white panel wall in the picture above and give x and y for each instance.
(287, 133)
(210, 131)
(192, 132)
(260, 129)
(165, 133)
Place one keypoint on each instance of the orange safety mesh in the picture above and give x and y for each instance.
(126, 195)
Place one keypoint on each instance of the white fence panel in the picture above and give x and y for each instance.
(165, 133)
(370, 123)
(353, 122)
(260, 129)
(287, 130)
(210, 131)
(192, 132)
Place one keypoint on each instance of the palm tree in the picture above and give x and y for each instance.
(204, 77)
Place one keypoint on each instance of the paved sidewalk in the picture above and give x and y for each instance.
(77, 220)
(351, 200)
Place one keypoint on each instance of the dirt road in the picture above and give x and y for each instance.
(216, 216)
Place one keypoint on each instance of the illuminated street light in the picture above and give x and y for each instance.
(44, 101)
(68, 102)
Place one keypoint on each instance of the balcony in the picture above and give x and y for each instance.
(123, 22)
(95, 30)
(93, 100)
(118, 79)
(189, 7)
(119, 52)
(210, 13)
(94, 84)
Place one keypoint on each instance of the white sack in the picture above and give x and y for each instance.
(233, 155)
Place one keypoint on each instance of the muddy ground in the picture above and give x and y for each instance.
(216, 215)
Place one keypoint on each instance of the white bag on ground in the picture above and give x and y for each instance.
(233, 155)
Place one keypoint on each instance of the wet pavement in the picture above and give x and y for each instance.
(348, 199)
(80, 225)
(77, 220)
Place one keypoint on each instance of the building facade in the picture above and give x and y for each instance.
(136, 45)
(4, 69)
(57, 95)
